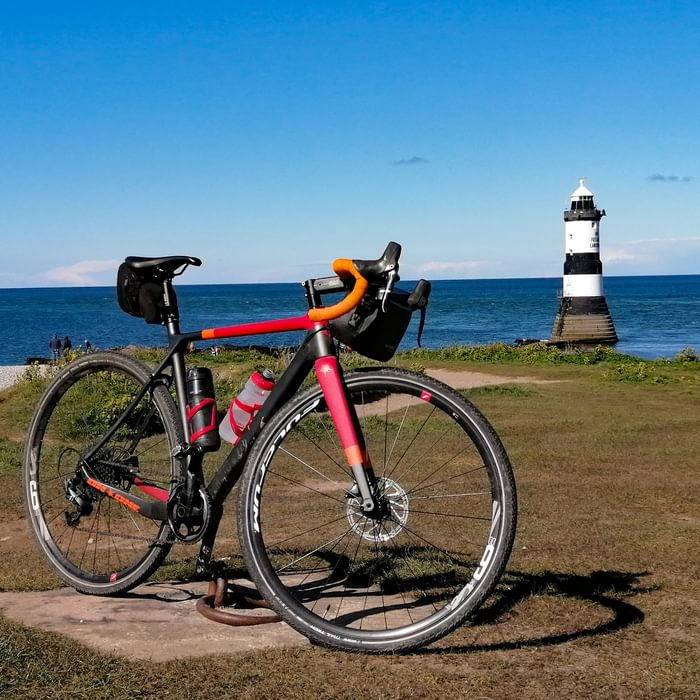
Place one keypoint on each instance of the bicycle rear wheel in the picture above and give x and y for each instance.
(425, 561)
(95, 544)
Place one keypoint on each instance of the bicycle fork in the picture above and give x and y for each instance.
(348, 428)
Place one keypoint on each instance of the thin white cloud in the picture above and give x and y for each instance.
(83, 274)
(655, 255)
(615, 255)
(670, 241)
(450, 266)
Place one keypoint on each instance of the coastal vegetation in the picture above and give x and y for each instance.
(600, 598)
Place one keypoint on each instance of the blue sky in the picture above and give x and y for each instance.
(268, 138)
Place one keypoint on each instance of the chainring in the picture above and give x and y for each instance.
(189, 523)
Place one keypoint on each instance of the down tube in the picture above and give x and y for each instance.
(287, 385)
(328, 375)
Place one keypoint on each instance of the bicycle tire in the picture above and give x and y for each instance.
(110, 549)
(413, 574)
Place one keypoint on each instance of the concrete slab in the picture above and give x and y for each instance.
(155, 621)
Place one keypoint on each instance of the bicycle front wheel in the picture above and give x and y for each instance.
(416, 568)
(94, 543)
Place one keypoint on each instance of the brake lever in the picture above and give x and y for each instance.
(391, 280)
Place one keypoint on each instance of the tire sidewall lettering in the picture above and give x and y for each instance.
(265, 462)
(34, 496)
(489, 551)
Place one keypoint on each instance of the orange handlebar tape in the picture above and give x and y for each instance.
(344, 268)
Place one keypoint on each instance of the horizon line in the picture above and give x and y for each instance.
(409, 279)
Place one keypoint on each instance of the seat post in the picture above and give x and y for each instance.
(172, 323)
(172, 318)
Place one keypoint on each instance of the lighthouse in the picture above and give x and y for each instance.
(583, 316)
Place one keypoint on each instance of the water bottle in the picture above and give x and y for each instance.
(201, 409)
(244, 407)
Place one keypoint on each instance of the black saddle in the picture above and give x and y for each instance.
(161, 267)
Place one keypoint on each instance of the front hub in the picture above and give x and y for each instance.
(389, 517)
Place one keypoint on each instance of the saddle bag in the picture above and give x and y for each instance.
(142, 295)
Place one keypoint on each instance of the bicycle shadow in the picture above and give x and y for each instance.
(607, 589)
(610, 590)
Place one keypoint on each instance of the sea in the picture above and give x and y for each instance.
(654, 316)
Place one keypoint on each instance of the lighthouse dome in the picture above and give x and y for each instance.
(582, 206)
(581, 191)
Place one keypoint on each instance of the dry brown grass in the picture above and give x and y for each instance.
(601, 597)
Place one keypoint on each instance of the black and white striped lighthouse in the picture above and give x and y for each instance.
(583, 316)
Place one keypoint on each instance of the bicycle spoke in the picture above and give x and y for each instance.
(310, 468)
(447, 495)
(297, 535)
(461, 475)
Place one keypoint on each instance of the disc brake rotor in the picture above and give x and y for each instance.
(393, 513)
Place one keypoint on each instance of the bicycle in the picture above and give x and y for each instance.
(376, 509)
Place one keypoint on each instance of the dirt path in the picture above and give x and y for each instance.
(455, 379)
(462, 379)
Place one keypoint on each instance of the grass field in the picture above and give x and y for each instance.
(601, 597)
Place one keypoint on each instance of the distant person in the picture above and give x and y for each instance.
(66, 345)
(55, 346)
(87, 345)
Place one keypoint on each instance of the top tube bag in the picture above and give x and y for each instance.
(141, 294)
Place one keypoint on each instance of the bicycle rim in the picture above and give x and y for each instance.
(93, 542)
(416, 570)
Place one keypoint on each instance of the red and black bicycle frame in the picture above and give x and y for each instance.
(316, 353)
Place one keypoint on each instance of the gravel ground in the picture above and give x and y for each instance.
(9, 374)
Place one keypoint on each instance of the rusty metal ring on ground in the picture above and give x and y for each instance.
(212, 606)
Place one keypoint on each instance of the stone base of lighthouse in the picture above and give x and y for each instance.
(583, 321)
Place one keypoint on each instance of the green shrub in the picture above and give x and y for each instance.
(640, 372)
(531, 354)
(687, 355)
(38, 375)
